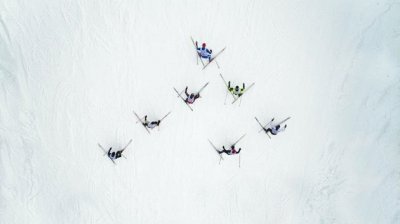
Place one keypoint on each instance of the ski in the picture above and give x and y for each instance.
(283, 121)
(263, 126)
(215, 148)
(239, 139)
(137, 116)
(139, 120)
(243, 92)
(212, 59)
(197, 53)
(105, 152)
(126, 146)
(165, 116)
(183, 99)
(227, 87)
(202, 88)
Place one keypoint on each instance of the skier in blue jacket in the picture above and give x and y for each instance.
(204, 52)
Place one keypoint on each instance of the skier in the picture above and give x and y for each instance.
(114, 155)
(152, 124)
(204, 52)
(192, 97)
(231, 151)
(275, 129)
(236, 91)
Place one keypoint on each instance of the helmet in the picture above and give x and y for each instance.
(191, 95)
(237, 88)
(203, 45)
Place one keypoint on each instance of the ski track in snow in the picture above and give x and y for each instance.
(72, 72)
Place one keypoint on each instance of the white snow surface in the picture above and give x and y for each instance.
(72, 72)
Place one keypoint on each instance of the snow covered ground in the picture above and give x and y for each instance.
(71, 72)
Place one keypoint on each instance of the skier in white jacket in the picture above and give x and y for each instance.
(274, 129)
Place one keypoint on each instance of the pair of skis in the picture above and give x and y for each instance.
(212, 59)
(269, 123)
(141, 120)
(106, 152)
(235, 98)
(180, 95)
(220, 155)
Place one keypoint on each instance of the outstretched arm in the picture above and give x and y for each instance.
(187, 94)
(197, 47)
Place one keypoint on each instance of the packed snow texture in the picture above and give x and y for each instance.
(72, 72)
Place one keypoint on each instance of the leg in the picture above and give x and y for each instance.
(267, 130)
(272, 133)
(118, 155)
(224, 151)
